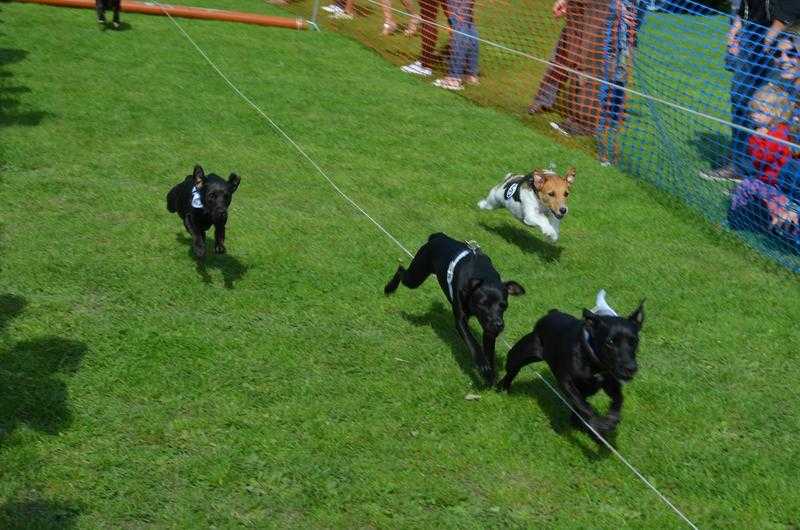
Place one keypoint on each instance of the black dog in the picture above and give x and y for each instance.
(472, 286)
(201, 201)
(584, 356)
(102, 5)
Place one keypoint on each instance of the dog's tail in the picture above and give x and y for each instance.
(172, 202)
(601, 307)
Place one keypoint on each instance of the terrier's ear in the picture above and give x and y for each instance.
(637, 317)
(198, 176)
(537, 179)
(570, 176)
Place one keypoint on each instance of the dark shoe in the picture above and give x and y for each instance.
(539, 106)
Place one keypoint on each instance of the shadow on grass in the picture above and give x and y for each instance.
(526, 240)
(231, 268)
(560, 417)
(9, 104)
(31, 391)
(10, 306)
(440, 319)
(36, 514)
(123, 26)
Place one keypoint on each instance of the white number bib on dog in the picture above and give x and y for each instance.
(197, 201)
(511, 190)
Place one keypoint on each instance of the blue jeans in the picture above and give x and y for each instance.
(463, 49)
(789, 179)
(750, 68)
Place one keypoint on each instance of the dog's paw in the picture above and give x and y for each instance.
(603, 425)
(219, 249)
(488, 374)
(551, 234)
(200, 253)
(504, 385)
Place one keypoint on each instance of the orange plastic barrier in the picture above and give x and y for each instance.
(148, 8)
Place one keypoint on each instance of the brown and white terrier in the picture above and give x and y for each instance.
(537, 199)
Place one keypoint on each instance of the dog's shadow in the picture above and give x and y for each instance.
(525, 240)
(561, 417)
(232, 269)
(441, 320)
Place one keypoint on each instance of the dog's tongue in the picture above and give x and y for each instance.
(601, 307)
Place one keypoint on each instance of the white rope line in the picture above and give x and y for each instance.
(400, 245)
(626, 89)
(612, 449)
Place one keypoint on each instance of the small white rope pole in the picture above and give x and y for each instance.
(404, 249)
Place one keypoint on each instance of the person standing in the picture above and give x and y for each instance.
(429, 11)
(751, 52)
(464, 46)
(584, 57)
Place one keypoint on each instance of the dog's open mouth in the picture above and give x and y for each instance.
(557, 215)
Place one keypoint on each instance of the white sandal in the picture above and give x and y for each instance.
(448, 84)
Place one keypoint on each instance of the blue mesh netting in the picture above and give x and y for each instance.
(746, 182)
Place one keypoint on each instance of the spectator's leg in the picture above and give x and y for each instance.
(428, 10)
(472, 66)
(554, 77)
(101, 11)
(413, 18)
(389, 25)
(584, 113)
(458, 52)
(576, 23)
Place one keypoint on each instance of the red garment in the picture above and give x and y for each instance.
(769, 156)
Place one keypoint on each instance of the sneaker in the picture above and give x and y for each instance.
(342, 15)
(723, 174)
(416, 68)
(333, 8)
(558, 128)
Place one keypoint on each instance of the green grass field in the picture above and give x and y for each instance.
(278, 387)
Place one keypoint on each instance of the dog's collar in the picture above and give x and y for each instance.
(197, 199)
(451, 269)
